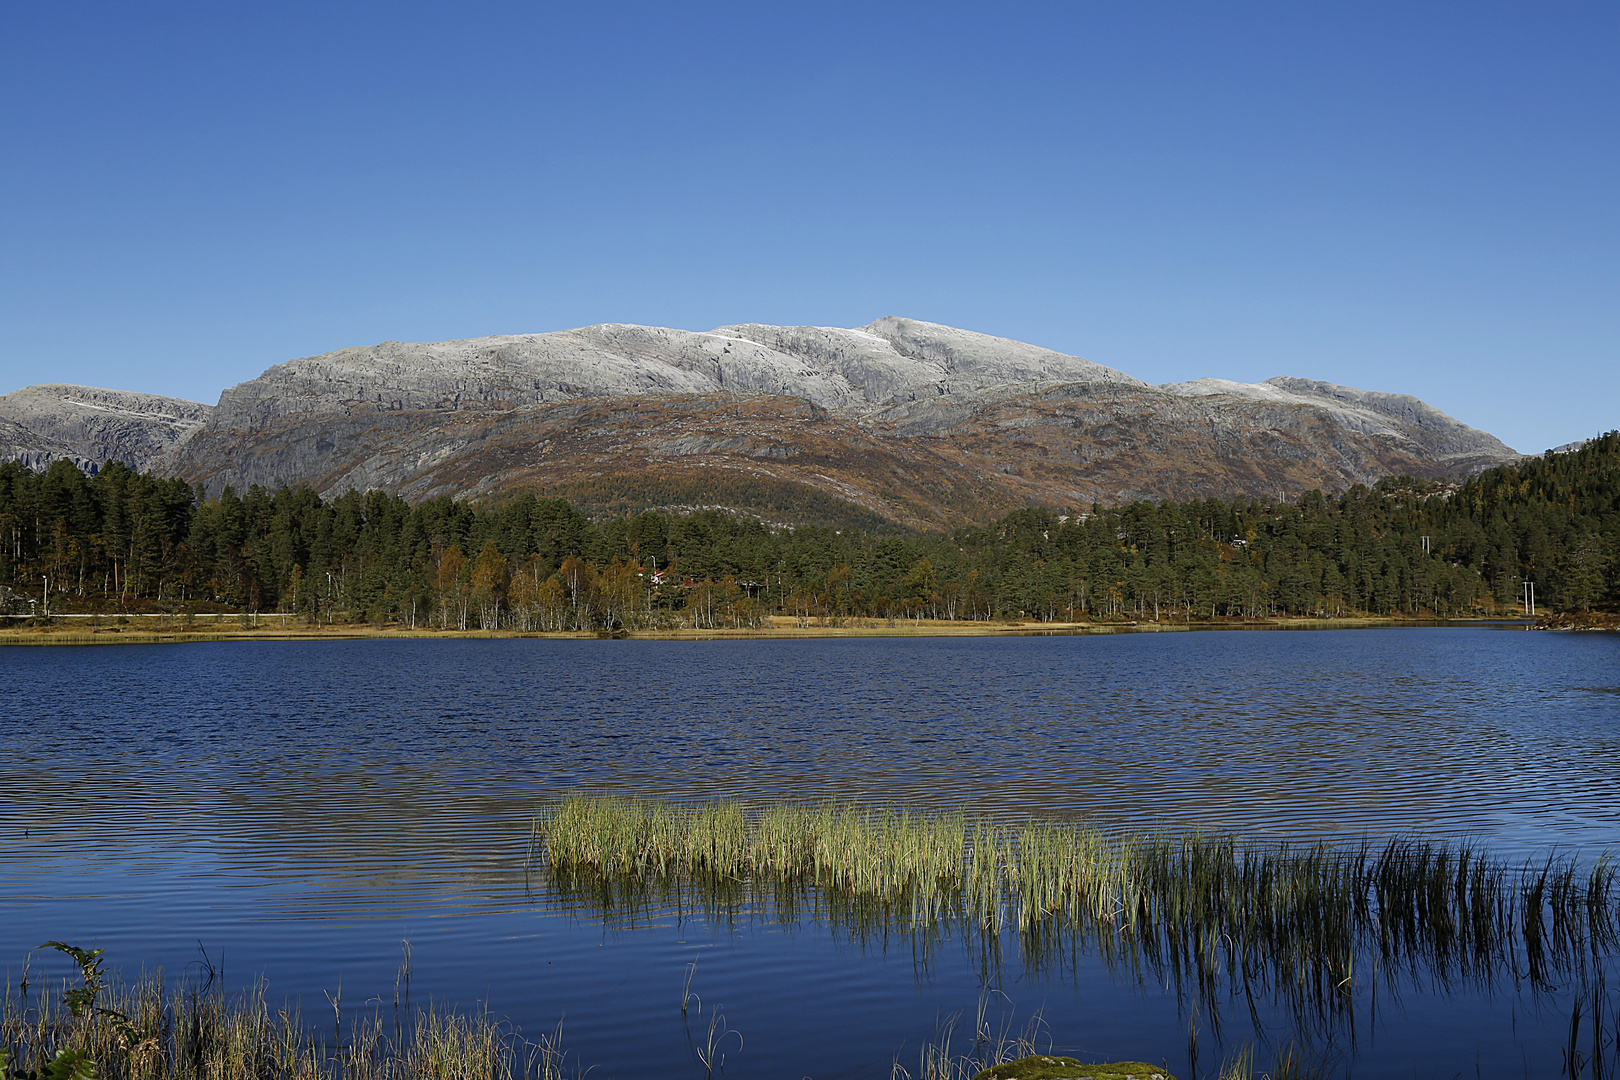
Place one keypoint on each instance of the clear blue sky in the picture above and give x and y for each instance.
(1414, 196)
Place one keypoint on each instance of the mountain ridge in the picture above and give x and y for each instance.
(921, 423)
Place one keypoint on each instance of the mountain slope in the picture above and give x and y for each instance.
(920, 424)
(1395, 416)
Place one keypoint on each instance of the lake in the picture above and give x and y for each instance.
(297, 810)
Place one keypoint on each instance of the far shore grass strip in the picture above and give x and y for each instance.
(152, 629)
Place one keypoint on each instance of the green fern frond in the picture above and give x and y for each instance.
(70, 1065)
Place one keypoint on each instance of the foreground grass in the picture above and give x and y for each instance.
(144, 1031)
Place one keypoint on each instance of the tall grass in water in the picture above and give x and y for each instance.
(886, 855)
(1305, 921)
(175, 1034)
(1289, 1063)
(1593, 1046)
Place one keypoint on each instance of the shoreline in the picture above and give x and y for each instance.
(783, 627)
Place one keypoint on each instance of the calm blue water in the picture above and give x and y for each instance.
(301, 809)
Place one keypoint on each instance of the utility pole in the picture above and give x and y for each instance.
(1529, 599)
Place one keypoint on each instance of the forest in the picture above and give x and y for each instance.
(122, 542)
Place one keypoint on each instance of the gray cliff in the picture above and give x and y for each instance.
(91, 426)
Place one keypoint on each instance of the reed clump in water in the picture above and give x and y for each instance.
(1207, 909)
(883, 854)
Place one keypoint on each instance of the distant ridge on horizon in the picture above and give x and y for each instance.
(914, 423)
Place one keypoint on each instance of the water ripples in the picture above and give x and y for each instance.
(392, 748)
(303, 806)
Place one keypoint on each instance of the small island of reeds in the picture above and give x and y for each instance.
(1310, 924)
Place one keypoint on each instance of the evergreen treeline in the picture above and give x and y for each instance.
(123, 541)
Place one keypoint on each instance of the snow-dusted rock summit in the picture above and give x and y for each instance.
(891, 359)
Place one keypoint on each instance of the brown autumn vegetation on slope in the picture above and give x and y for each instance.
(932, 464)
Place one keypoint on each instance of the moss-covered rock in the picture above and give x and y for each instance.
(1048, 1067)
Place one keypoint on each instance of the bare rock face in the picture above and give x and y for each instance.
(91, 426)
(35, 451)
(901, 421)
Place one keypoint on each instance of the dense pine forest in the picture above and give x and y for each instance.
(124, 542)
